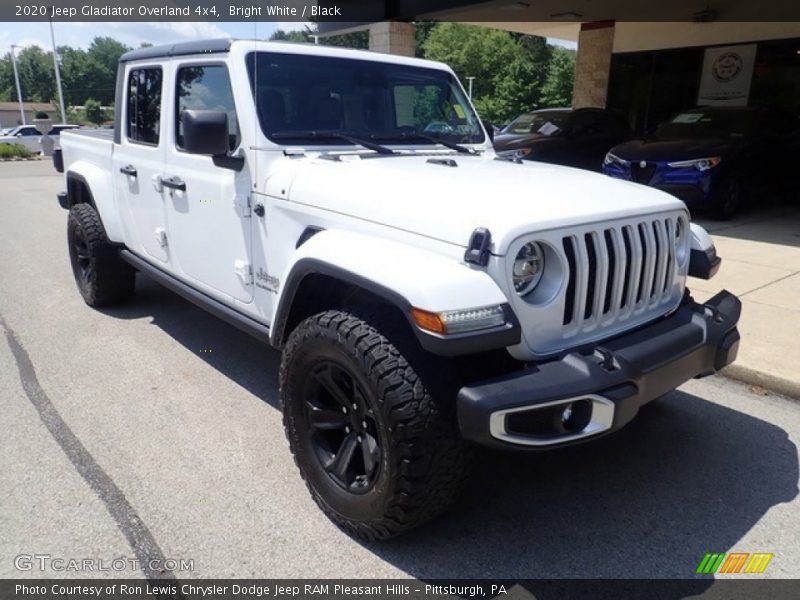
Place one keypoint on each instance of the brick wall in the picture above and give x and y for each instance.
(392, 38)
(592, 65)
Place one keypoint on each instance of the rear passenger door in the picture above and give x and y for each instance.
(138, 162)
(207, 203)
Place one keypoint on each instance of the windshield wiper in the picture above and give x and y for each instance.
(418, 135)
(313, 134)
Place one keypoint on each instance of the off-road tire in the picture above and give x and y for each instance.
(423, 460)
(102, 277)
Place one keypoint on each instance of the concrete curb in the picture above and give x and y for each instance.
(773, 383)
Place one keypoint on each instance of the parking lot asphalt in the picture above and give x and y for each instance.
(151, 431)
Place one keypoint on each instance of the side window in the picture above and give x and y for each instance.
(205, 87)
(144, 105)
(585, 123)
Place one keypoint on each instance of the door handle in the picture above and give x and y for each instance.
(175, 183)
(129, 170)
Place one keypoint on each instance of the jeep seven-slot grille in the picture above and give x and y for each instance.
(619, 270)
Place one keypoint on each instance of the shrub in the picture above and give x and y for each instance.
(42, 115)
(93, 111)
(14, 151)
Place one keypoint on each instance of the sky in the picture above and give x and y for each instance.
(80, 35)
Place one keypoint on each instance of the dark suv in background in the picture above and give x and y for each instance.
(565, 136)
(715, 158)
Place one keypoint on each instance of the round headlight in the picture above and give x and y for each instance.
(528, 268)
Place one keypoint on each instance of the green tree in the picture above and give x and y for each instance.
(77, 73)
(356, 39)
(103, 55)
(305, 35)
(93, 111)
(422, 30)
(557, 88)
(36, 74)
(509, 69)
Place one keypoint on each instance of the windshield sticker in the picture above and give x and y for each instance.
(688, 118)
(548, 128)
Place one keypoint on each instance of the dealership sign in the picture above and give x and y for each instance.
(727, 73)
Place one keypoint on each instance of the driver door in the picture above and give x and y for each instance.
(207, 205)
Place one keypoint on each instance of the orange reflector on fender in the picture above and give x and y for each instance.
(428, 321)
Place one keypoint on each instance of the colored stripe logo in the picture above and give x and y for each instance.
(734, 563)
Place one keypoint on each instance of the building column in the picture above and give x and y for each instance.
(593, 64)
(392, 37)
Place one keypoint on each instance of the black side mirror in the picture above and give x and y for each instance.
(489, 129)
(205, 132)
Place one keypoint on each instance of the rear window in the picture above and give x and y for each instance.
(544, 123)
(708, 124)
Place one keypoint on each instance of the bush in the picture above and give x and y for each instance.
(42, 115)
(93, 111)
(14, 151)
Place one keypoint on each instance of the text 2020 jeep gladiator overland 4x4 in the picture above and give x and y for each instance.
(348, 208)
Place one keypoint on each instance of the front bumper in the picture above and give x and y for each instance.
(600, 388)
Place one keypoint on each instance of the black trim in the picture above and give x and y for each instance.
(211, 46)
(174, 183)
(82, 180)
(450, 345)
(704, 265)
(631, 370)
(307, 234)
(477, 251)
(445, 162)
(58, 160)
(215, 307)
(63, 200)
(119, 98)
(228, 161)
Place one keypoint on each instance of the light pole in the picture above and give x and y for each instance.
(19, 88)
(470, 79)
(58, 75)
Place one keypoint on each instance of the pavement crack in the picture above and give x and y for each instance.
(128, 521)
(761, 287)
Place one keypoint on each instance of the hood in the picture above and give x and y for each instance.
(447, 203)
(674, 150)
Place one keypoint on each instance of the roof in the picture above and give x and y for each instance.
(45, 106)
(218, 45)
(183, 48)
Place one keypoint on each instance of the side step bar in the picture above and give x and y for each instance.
(215, 307)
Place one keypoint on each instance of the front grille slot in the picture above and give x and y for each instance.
(569, 301)
(618, 271)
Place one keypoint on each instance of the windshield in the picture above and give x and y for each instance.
(545, 123)
(706, 125)
(296, 93)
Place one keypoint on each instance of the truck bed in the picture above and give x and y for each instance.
(95, 146)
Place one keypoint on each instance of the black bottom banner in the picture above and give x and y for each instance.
(411, 589)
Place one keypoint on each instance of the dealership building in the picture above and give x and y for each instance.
(644, 70)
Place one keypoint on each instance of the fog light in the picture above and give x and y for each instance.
(575, 416)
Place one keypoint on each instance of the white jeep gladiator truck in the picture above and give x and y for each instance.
(427, 295)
